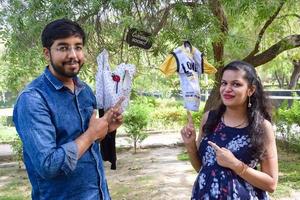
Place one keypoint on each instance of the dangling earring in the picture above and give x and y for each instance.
(249, 103)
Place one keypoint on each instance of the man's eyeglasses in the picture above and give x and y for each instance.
(69, 49)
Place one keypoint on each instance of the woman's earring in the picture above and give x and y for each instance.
(249, 103)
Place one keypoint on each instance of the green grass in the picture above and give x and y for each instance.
(289, 172)
(133, 190)
(120, 191)
(7, 134)
(14, 184)
(183, 156)
(144, 179)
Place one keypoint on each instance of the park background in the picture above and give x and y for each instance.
(265, 33)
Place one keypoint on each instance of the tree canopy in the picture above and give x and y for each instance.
(252, 30)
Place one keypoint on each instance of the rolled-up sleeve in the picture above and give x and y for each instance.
(33, 122)
(70, 150)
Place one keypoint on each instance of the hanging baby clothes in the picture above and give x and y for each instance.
(189, 64)
(110, 86)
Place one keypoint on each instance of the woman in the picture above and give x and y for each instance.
(233, 140)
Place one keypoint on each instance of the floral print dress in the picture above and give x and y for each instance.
(216, 182)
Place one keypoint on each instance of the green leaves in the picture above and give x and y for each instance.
(170, 23)
(135, 121)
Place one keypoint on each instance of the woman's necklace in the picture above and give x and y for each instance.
(243, 122)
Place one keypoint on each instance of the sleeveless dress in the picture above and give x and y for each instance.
(217, 182)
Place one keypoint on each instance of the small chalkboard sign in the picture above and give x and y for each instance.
(138, 38)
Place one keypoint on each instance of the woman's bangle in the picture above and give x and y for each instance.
(243, 170)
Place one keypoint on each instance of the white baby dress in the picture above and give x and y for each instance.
(112, 85)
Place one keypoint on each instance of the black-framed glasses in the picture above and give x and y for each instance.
(69, 49)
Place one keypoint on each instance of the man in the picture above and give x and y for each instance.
(55, 119)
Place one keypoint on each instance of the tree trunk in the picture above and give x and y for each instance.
(218, 46)
(279, 79)
(295, 74)
(214, 97)
(218, 49)
(134, 144)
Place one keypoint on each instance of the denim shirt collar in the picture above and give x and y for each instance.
(58, 85)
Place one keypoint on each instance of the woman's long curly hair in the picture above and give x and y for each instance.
(260, 108)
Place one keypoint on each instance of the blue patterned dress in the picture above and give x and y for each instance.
(216, 182)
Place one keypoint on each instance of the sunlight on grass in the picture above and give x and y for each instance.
(132, 191)
(289, 173)
(14, 184)
(144, 179)
(119, 191)
(7, 134)
(183, 156)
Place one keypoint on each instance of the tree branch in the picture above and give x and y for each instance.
(290, 15)
(138, 11)
(289, 42)
(163, 20)
(218, 46)
(82, 19)
(167, 10)
(122, 45)
(263, 30)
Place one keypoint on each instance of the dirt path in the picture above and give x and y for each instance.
(151, 174)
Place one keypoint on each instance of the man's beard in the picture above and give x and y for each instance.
(62, 72)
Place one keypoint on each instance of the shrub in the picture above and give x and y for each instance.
(286, 118)
(135, 121)
(168, 115)
(6, 121)
(171, 113)
(197, 117)
(17, 147)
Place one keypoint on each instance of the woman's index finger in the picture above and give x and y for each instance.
(214, 145)
(190, 118)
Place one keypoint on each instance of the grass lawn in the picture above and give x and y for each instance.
(289, 172)
(7, 134)
(14, 183)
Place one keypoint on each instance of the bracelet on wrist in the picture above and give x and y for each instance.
(244, 168)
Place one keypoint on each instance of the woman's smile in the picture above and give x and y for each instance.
(228, 96)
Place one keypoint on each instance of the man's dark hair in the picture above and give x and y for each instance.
(59, 29)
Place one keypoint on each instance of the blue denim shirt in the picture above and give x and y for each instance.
(49, 117)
